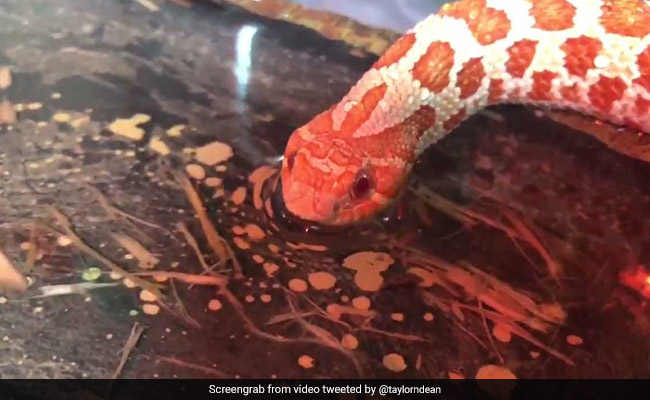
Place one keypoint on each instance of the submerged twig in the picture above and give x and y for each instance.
(488, 333)
(290, 316)
(239, 309)
(32, 252)
(181, 306)
(149, 5)
(517, 330)
(199, 280)
(216, 242)
(185, 364)
(441, 204)
(134, 337)
(324, 336)
(470, 334)
(511, 306)
(462, 214)
(117, 214)
(81, 245)
(395, 335)
(182, 311)
(518, 230)
(193, 244)
(145, 258)
(554, 267)
(74, 288)
(320, 311)
(207, 269)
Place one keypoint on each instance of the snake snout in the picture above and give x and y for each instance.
(287, 221)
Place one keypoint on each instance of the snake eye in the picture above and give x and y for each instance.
(291, 159)
(362, 185)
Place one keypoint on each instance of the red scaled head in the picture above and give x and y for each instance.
(333, 178)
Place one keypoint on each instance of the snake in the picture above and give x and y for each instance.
(591, 57)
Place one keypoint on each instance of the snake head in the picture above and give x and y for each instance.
(330, 178)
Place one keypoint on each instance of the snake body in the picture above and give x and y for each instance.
(590, 56)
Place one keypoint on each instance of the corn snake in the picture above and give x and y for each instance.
(590, 56)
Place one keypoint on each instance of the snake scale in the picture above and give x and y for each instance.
(589, 56)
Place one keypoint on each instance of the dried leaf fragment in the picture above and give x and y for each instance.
(322, 280)
(574, 340)
(5, 78)
(195, 171)
(394, 362)
(349, 341)
(144, 257)
(494, 372)
(156, 144)
(369, 266)
(298, 285)
(128, 127)
(214, 305)
(257, 178)
(175, 131)
(213, 153)
(7, 113)
(306, 361)
(10, 278)
(150, 309)
(502, 333)
(238, 196)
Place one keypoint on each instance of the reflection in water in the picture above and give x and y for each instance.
(244, 45)
(242, 72)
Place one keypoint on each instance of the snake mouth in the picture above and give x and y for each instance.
(285, 220)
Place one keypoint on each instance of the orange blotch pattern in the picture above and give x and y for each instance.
(605, 92)
(519, 93)
(339, 158)
(626, 17)
(432, 69)
(455, 120)
(552, 15)
(571, 93)
(521, 55)
(301, 170)
(316, 149)
(322, 123)
(580, 54)
(542, 82)
(360, 112)
(470, 77)
(642, 105)
(486, 24)
(495, 91)
(644, 68)
(401, 140)
(423, 119)
(396, 51)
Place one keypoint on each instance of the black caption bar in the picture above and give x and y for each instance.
(323, 389)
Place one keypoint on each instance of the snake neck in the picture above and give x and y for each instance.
(592, 56)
